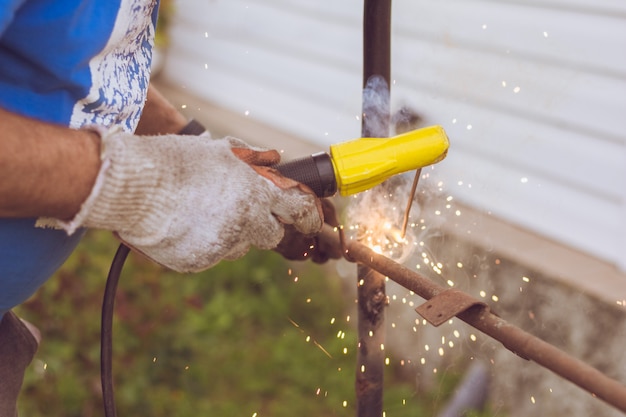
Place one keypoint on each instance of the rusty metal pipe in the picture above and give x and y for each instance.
(372, 301)
(478, 316)
(371, 284)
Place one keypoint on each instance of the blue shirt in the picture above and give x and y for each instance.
(74, 63)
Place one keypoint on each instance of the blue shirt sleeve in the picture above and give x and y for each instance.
(28, 257)
(72, 63)
(7, 12)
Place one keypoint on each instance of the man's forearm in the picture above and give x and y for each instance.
(159, 117)
(49, 171)
(45, 170)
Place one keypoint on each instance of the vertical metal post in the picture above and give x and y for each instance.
(377, 40)
(372, 300)
(371, 294)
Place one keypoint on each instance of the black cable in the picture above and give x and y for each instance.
(108, 305)
(106, 331)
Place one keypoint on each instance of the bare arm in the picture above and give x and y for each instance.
(48, 170)
(45, 170)
(159, 117)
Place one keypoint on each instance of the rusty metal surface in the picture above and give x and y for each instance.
(409, 204)
(372, 300)
(371, 284)
(513, 338)
(447, 304)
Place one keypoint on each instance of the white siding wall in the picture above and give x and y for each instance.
(532, 94)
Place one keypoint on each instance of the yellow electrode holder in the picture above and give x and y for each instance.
(362, 163)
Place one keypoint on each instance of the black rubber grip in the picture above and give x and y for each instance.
(194, 128)
(315, 170)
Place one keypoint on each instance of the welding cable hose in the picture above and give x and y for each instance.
(108, 304)
(106, 331)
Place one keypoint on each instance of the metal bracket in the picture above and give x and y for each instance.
(446, 305)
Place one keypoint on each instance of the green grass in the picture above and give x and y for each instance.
(245, 338)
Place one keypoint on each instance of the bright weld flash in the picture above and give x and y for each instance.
(385, 240)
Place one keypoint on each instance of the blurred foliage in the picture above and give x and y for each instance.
(246, 338)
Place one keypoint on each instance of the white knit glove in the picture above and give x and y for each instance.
(188, 202)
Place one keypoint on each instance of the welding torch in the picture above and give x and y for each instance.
(360, 164)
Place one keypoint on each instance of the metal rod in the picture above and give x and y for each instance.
(371, 284)
(372, 301)
(377, 39)
(409, 204)
(513, 338)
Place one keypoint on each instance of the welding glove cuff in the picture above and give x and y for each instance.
(188, 202)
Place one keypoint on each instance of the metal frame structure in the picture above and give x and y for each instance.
(444, 303)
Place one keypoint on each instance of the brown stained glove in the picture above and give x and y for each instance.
(261, 161)
(296, 246)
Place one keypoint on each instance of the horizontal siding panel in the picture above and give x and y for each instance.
(574, 100)
(598, 7)
(558, 95)
(299, 114)
(346, 12)
(301, 35)
(544, 150)
(583, 40)
(279, 71)
(276, 61)
(563, 131)
(564, 214)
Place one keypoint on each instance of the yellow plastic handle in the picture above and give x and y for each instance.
(362, 163)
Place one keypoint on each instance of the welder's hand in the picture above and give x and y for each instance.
(188, 202)
(296, 246)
